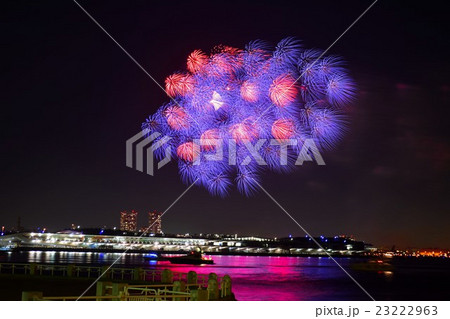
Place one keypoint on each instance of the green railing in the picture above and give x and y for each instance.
(116, 282)
(176, 291)
(115, 273)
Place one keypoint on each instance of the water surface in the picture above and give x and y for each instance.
(288, 278)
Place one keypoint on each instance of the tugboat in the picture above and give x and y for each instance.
(193, 258)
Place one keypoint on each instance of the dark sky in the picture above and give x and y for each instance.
(71, 98)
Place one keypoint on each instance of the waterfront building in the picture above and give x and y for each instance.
(227, 244)
(154, 222)
(128, 220)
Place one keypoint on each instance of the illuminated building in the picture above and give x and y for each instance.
(154, 222)
(128, 220)
(70, 240)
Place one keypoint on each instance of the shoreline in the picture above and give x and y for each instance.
(222, 253)
(137, 251)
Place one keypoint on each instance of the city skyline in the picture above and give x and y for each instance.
(143, 227)
(128, 220)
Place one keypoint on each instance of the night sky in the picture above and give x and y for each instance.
(71, 98)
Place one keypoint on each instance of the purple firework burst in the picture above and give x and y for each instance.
(249, 96)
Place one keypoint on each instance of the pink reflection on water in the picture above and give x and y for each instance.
(253, 277)
(271, 278)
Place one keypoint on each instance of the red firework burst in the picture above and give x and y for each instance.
(209, 139)
(188, 151)
(179, 84)
(283, 129)
(249, 91)
(196, 61)
(244, 131)
(176, 117)
(283, 90)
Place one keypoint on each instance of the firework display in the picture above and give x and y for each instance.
(231, 98)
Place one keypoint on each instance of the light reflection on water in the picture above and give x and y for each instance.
(253, 277)
(282, 278)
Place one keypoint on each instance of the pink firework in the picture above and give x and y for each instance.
(176, 117)
(179, 84)
(188, 151)
(245, 131)
(196, 61)
(209, 139)
(283, 90)
(283, 129)
(249, 91)
(244, 95)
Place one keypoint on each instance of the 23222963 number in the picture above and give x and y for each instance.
(406, 311)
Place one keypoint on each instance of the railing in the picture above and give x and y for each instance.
(123, 273)
(163, 292)
(152, 275)
(113, 273)
(156, 292)
(51, 270)
(177, 296)
(167, 285)
(14, 269)
(120, 291)
(86, 271)
(73, 298)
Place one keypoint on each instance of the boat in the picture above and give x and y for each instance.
(193, 258)
(373, 265)
(154, 256)
(151, 256)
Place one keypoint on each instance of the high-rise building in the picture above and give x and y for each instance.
(128, 220)
(154, 222)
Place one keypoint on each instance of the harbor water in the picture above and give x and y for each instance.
(287, 278)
